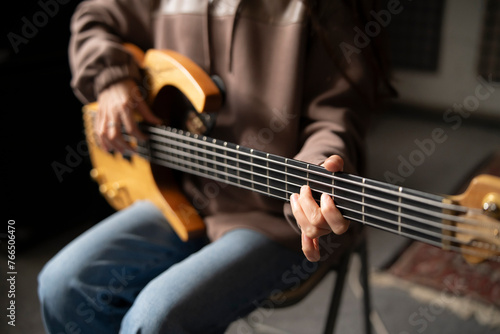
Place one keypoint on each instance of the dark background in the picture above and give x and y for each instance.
(42, 123)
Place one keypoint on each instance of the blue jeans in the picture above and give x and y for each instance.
(132, 274)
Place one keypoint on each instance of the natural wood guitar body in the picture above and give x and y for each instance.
(124, 180)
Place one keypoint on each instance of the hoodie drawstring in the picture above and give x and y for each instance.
(207, 35)
(233, 33)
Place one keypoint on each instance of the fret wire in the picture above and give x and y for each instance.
(307, 177)
(225, 160)
(180, 150)
(399, 210)
(452, 207)
(417, 219)
(333, 187)
(452, 218)
(189, 149)
(267, 173)
(181, 141)
(238, 163)
(196, 145)
(251, 167)
(425, 232)
(407, 206)
(214, 150)
(205, 151)
(363, 200)
(286, 175)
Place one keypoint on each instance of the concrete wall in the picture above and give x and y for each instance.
(456, 81)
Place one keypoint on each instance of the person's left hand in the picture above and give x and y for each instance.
(317, 220)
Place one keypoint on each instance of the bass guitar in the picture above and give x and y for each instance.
(467, 223)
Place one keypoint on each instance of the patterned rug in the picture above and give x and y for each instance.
(432, 275)
(444, 279)
(449, 272)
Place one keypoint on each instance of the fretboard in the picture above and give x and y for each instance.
(406, 212)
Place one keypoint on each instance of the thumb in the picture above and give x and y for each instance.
(334, 163)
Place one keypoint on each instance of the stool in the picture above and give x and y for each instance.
(341, 267)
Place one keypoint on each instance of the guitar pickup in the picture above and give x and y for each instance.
(200, 123)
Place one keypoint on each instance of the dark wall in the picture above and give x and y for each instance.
(45, 165)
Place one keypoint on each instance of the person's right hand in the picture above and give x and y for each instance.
(117, 104)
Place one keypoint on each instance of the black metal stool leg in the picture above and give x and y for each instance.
(363, 254)
(337, 293)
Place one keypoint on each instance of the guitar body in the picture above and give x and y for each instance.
(124, 180)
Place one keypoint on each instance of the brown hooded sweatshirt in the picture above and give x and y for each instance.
(284, 94)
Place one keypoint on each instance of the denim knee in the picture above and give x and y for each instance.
(53, 293)
(72, 305)
(175, 316)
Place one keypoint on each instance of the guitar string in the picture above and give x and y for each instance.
(181, 135)
(187, 136)
(438, 215)
(177, 165)
(225, 156)
(366, 195)
(453, 218)
(418, 199)
(184, 162)
(391, 212)
(417, 219)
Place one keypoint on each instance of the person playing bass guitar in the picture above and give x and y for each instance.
(294, 85)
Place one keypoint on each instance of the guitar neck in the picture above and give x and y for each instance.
(399, 210)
